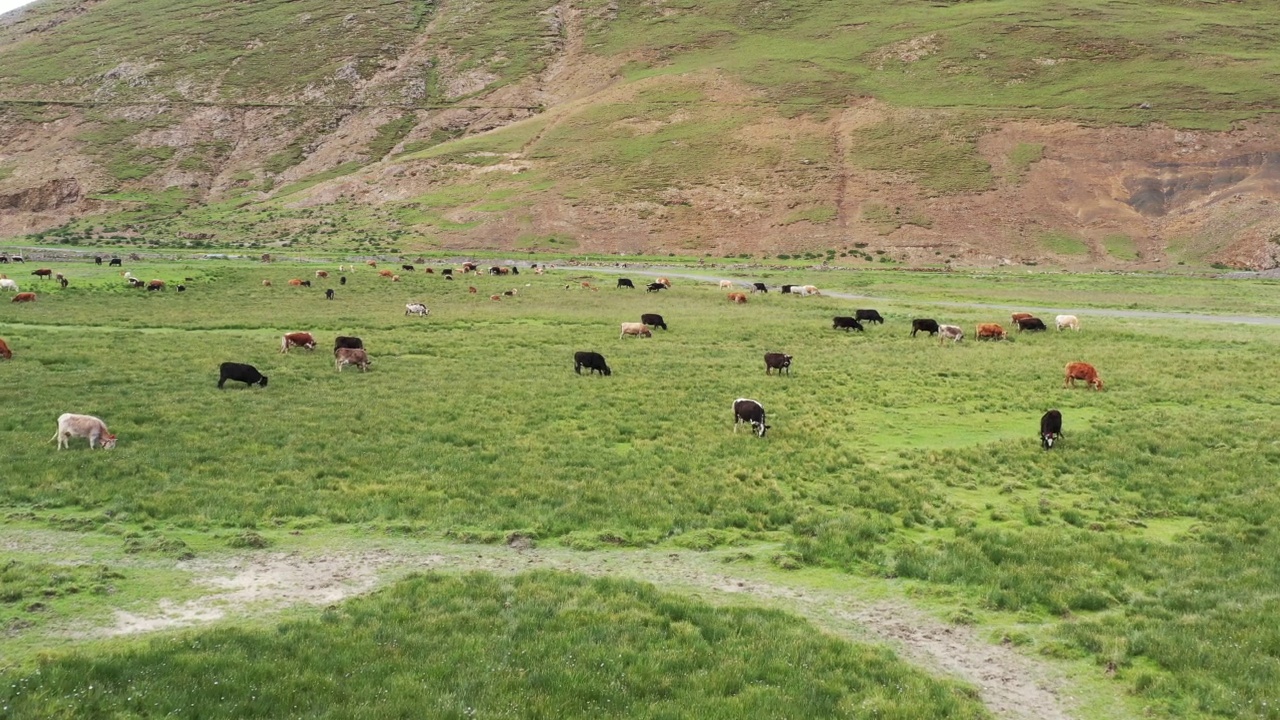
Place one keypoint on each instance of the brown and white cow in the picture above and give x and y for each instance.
(266, 283)
(5, 352)
(156, 285)
(351, 356)
(664, 281)
(1082, 371)
(322, 273)
(950, 332)
(739, 298)
(297, 339)
(24, 297)
(991, 331)
(86, 426)
(637, 329)
(295, 282)
(806, 291)
(495, 298)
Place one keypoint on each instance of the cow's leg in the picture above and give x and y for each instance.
(221, 380)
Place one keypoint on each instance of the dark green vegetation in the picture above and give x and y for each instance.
(1144, 540)
(536, 646)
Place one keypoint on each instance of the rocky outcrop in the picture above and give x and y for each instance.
(43, 198)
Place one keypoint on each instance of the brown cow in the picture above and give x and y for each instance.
(297, 339)
(295, 282)
(155, 285)
(5, 352)
(1082, 371)
(991, 331)
(351, 356)
(24, 297)
(266, 283)
(385, 273)
(472, 290)
(42, 273)
(637, 329)
(495, 297)
(739, 298)
(371, 263)
(586, 285)
(664, 281)
(322, 273)
(1015, 317)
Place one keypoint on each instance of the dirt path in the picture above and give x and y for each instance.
(1011, 685)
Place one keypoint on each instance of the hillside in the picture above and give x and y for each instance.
(1080, 134)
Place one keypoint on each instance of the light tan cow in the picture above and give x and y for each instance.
(322, 273)
(637, 329)
(86, 426)
(1067, 321)
(726, 284)
(351, 356)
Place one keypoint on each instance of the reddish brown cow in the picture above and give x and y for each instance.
(155, 285)
(739, 298)
(295, 282)
(991, 331)
(385, 273)
(1020, 316)
(1082, 371)
(24, 297)
(5, 352)
(322, 273)
(297, 339)
(43, 273)
(495, 297)
(664, 281)
(472, 290)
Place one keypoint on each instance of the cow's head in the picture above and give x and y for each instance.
(1046, 439)
(108, 441)
(607, 372)
(759, 427)
(1096, 383)
(263, 381)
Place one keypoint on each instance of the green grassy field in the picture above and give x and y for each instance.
(1141, 542)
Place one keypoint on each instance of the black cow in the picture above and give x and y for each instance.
(4, 259)
(515, 270)
(97, 260)
(18, 258)
(495, 270)
(786, 289)
(1050, 428)
(845, 323)
(181, 288)
(407, 268)
(751, 412)
(115, 262)
(655, 287)
(777, 361)
(64, 283)
(625, 283)
(925, 324)
(306, 283)
(240, 372)
(447, 272)
(653, 320)
(760, 287)
(328, 294)
(343, 341)
(870, 316)
(592, 361)
(1031, 324)
(342, 280)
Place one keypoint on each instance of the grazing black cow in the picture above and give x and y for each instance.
(240, 372)
(592, 361)
(777, 361)
(115, 262)
(328, 294)
(625, 283)
(845, 323)
(305, 283)
(495, 270)
(870, 316)
(655, 287)
(653, 320)
(1031, 324)
(1050, 428)
(515, 270)
(97, 260)
(750, 412)
(64, 283)
(342, 280)
(786, 289)
(4, 259)
(447, 272)
(407, 268)
(344, 341)
(18, 258)
(181, 287)
(760, 287)
(925, 324)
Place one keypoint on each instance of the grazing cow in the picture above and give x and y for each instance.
(1082, 371)
(385, 273)
(515, 270)
(42, 273)
(625, 283)
(925, 325)
(347, 341)
(240, 372)
(510, 293)
(135, 282)
(1050, 428)
(726, 284)
(950, 332)
(750, 412)
(407, 268)
(297, 339)
(342, 280)
(5, 352)
(305, 283)
(97, 260)
(4, 259)
(371, 263)
(18, 259)
(653, 320)
(266, 283)
(759, 287)
(537, 270)
(868, 316)
(472, 290)
(86, 426)
(1031, 324)
(7, 284)
(1020, 316)
(777, 361)
(429, 271)
(155, 285)
(739, 298)
(991, 331)
(788, 289)
(447, 272)
(115, 262)
(328, 294)
(351, 356)
(64, 283)
(846, 323)
(395, 278)
(448, 277)
(322, 273)
(416, 309)
(665, 282)
(808, 290)
(1067, 321)
(495, 297)
(24, 297)
(654, 287)
(296, 282)
(59, 277)
(638, 329)
(181, 288)
(592, 361)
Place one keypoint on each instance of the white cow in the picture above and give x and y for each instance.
(807, 290)
(86, 426)
(7, 284)
(1071, 321)
(952, 332)
(726, 284)
(416, 309)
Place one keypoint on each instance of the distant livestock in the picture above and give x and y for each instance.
(407, 268)
(5, 352)
(664, 282)
(592, 361)
(1082, 371)
(950, 332)
(924, 325)
(267, 283)
(24, 297)
(447, 272)
(1067, 321)
(726, 284)
(395, 278)
(1050, 428)
(807, 290)
(342, 280)
(295, 282)
(416, 309)
(777, 361)
(1018, 316)
(7, 284)
(42, 273)
(738, 298)
(115, 262)
(351, 356)
(297, 339)
(1031, 324)
(637, 329)
(759, 287)
(653, 320)
(322, 273)
(347, 341)
(180, 288)
(155, 285)
(495, 297)
(328, 294)
(749, 412)
(86, 426)
(625, 283)
(868, 316)
(510, 293)
(472, 290)
(654, 287)
(991, 331)
(97, 260)
(240, 372)
(385, 273)
(846, 323)
(789, 289)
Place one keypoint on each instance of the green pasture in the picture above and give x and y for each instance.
(1143, 541)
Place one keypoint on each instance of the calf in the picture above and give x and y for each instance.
(625, 283)
(1082, 371)
(925, 325)
(328, 294)
(86, 426)
(1031, 324)
(347, 341)
(991, 331)
(155, 285)
(653, 320)
(5, 352)
(240, 372)
(1015, 317)
(592, 361)
(42, 273)
(305, 283)
(1050, 428)
(181, 288)
(24, 297)
(777, 361)
(351, 356)
(846, 323)
(638, 329)
(739, 298)
(950, 332)
(655, 287)
(416, 309)
(407, 268)
(750, 412)
(870, 316)
(115, 262)
(759, 287)
(297, 339)
(1067, 321)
